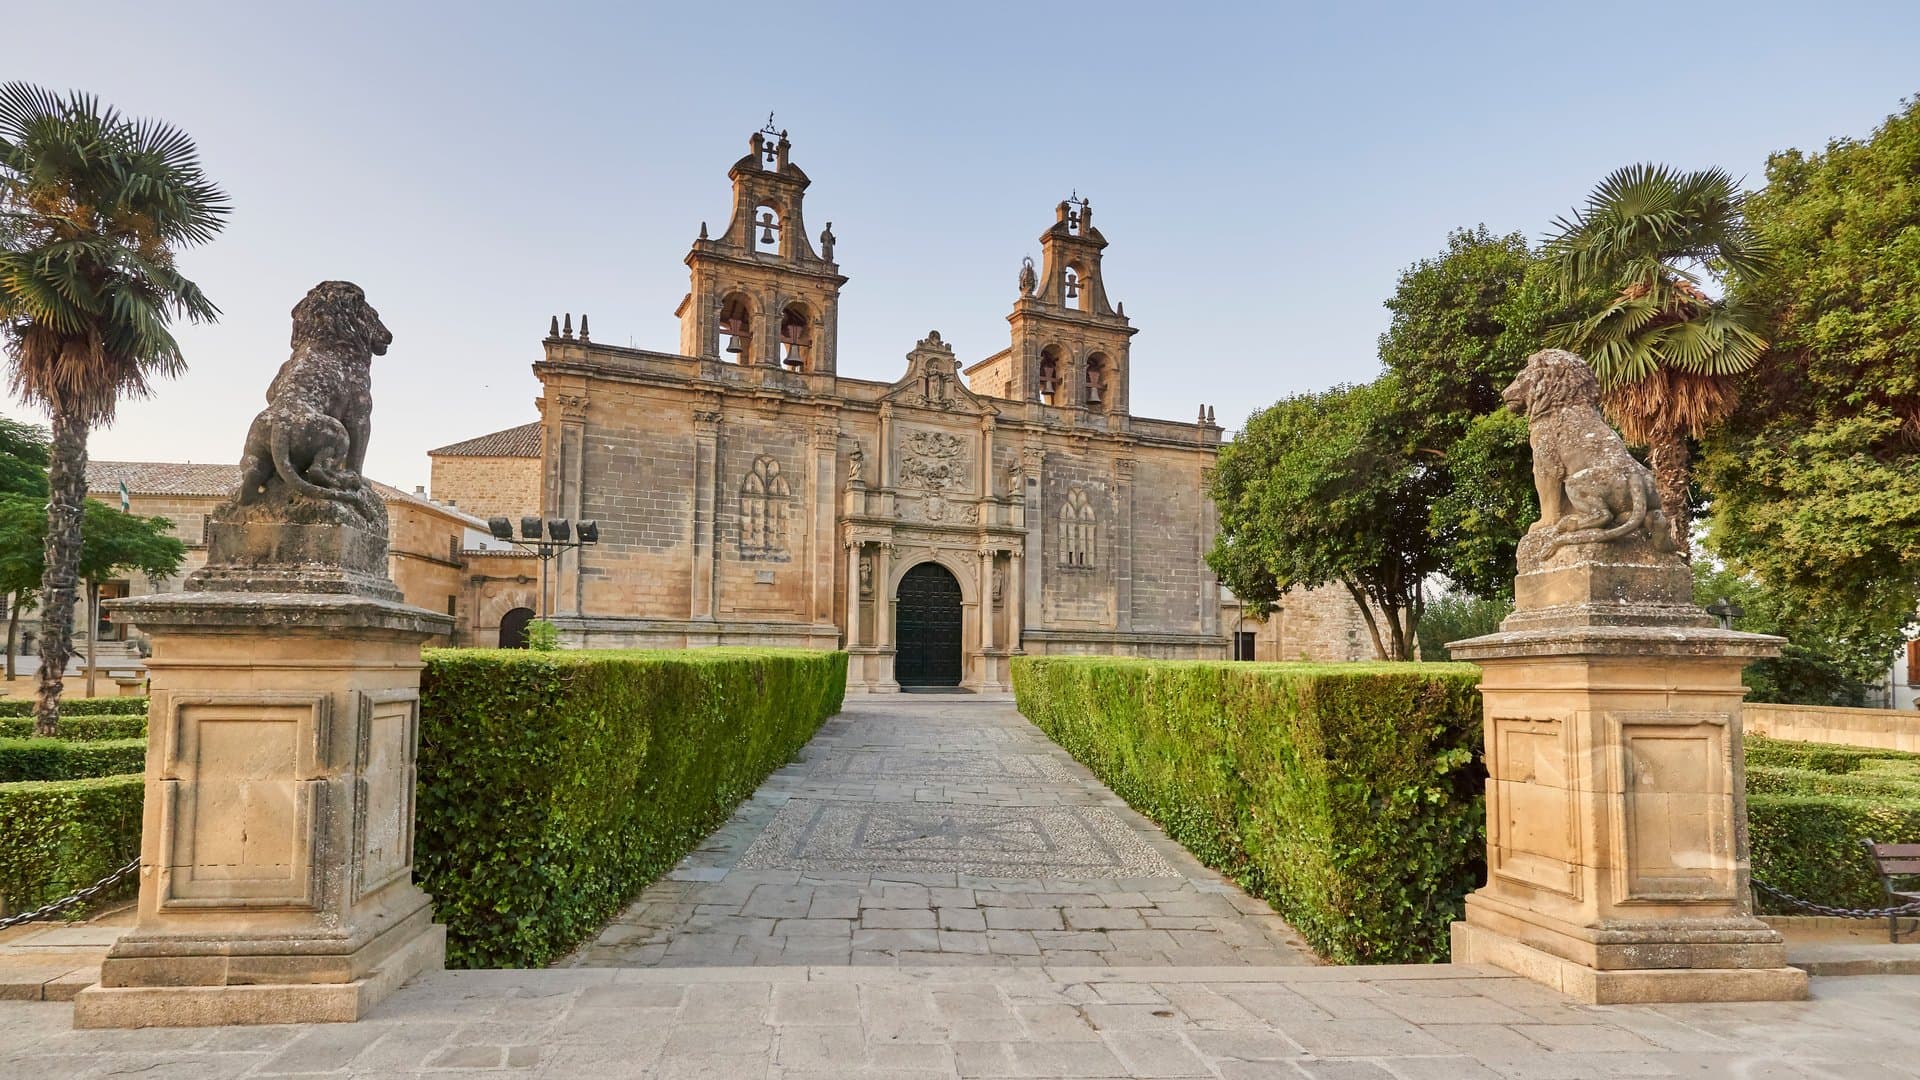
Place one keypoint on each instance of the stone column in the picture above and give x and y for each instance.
(1616, 790)
(853, 594)
(986, 602)
(1016, 580)
(1123, 544)
(706, 440)
(883, 615)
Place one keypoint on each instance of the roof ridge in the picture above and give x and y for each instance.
(521, 440)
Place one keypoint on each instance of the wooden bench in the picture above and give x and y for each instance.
(1892, 861)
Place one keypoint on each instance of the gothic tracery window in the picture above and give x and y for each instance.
(1077, 523)
(765, 504)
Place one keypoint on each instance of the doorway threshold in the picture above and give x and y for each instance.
(935, 690)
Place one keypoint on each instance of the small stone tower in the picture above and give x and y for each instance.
(1069, 344)
(762, 294)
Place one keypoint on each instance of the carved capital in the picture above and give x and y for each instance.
(1123, 469)
(1032, 458)
(826, 435)
(572, 406)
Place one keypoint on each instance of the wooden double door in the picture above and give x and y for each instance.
(927, 630)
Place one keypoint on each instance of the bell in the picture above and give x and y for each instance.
(1093, 393)
(766, 234)
(1073, 288)
(733, 345)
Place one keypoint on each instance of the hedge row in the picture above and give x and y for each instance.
(1775, 780)
(1349, 796)
(80, 728)
(58, 836)
(1809, 845)
(94, 706)
(1820, 757)
(58, 759)
(555, 785)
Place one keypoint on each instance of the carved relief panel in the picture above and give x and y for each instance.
(766, 511)
(1671, 807)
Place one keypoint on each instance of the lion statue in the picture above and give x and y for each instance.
(312, 436)
(1592, 491)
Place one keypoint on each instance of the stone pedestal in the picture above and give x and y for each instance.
(1616, 804)
(277, 845)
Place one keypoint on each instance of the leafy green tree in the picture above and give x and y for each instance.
(117, 542)
(1463, 323)
(1457, 616)
(1832, 656)
(1318, 489)
(1637, 260)
(1816, 478)
(23, 497)
(93, 208)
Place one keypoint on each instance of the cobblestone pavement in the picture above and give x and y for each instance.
(928, 830)
(827, 1023)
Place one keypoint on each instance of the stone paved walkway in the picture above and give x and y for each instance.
(925, 830)
(829, 1023)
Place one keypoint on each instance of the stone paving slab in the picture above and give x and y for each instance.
(797, 1022)
(940, 831)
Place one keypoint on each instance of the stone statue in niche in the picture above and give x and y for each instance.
(856, 465)
(1029, 280)
(866, 576)
(999, 581)
(310, 442)
(1592, 491)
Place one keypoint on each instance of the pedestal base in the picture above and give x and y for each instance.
(1628, 986)
(260, 1003)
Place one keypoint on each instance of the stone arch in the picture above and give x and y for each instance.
(959, 563)
(736, 319)
(1051, 370)
(796, 335)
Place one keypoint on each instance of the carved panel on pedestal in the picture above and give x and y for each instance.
(1671, 807)
(243, 798)
(384, 759)
(1533, 829)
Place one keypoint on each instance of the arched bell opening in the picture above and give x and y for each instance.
(1098, 379)
(736, 328)
(1051, 364)
(796, 338)
(766, 230)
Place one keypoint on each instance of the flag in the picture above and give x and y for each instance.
(126, 498)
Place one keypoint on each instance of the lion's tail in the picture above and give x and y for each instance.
(1636, 517)
(283, 464)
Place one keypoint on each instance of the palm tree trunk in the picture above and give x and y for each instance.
(66, 494)
(93, 632)
(1671, 463)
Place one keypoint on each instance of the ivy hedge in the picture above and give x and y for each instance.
(555, 785)
(1809, 806)
(59, 759)
(1349, 796)
(94, 706)
(57, 836)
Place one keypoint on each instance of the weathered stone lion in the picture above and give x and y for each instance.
(1591, 489)
(312, 436)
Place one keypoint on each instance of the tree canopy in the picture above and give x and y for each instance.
(1815, 479)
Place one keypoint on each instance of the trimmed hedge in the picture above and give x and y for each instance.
(1809, 845)
(80, 728)
(1820, 757)
(58, 836)
(556, 785)
(86, 706)
(59, 759)
(1774, 780)
(1349, 796)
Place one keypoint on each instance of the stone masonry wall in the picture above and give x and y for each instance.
(486, 486)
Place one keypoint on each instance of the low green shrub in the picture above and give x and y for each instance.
(1864, 784)
(59, 759)
(81, 728)
(1819, 757)
(1349, 796)
(555, 785)
(94, 706)
(61, 835)
(1809, 845)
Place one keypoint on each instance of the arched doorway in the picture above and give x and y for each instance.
(927, 628)
(513, 628)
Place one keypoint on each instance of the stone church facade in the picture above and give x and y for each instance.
(933, 526)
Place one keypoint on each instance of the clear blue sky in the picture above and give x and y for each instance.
(1263, 172)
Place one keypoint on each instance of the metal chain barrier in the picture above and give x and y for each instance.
(77, 897)
(1843, 912)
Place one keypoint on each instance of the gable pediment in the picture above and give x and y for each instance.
(933, 382)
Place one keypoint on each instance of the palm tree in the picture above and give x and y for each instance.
(1639, 257)
(93, 206)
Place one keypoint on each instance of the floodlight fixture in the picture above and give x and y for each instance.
(589, 532)
(530, 527)
(500, 527)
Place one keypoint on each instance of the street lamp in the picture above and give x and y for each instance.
(546, 539)
(1726, 611)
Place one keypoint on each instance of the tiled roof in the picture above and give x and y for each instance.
(522, 441)
(216, 481)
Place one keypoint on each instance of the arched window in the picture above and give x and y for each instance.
(1095, 392)
(796, 338)
(1076, 295)
(766, 230)
(1049, 374)
(765, 502)
(736, 327)
(1077, 524)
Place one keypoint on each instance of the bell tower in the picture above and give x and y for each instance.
(762, 294)
(1069, 343)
